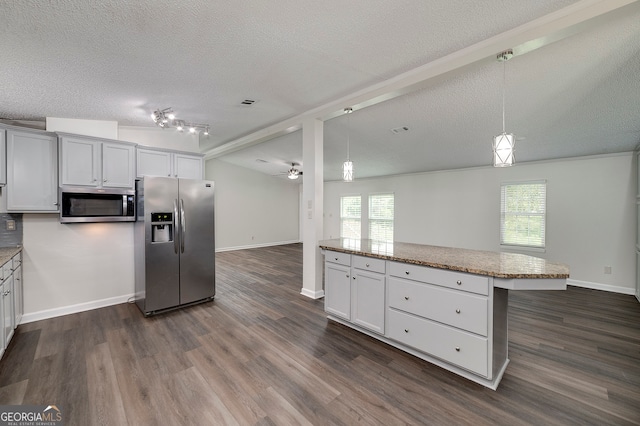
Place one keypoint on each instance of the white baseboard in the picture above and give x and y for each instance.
(72, 309)
(598, 286)
(280, 243)
(312, 294)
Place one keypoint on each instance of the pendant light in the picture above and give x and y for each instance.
(347, 166)
(504, 143)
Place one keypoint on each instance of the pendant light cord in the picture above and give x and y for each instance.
(348, 134)
(504, 79)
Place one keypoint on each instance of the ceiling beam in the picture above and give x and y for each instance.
(576, 18)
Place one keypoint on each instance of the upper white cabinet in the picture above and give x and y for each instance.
(88, 161)
(32, 171)
(154, 162)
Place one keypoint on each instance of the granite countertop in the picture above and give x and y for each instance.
(494, 264)
(6, 253)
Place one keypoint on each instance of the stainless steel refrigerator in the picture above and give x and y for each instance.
(174, 243)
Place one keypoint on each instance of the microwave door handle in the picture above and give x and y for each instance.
(124, 205)
(183, 226)
(176, 235)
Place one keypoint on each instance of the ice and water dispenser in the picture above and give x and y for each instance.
(161, 227)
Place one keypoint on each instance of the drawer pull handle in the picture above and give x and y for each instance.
(347, 275)
(457, 348)
(336, 258)
(459, 282)
(406, 272)
(457, 311)
(367, 265)
(354, 278)
(406, 330)
(406, 298)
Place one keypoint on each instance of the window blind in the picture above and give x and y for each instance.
(350, 216)
(381, 215)
(523, 214)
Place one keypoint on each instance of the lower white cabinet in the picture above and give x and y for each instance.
(337, 291)
(355, 290)
(453, 319)
(11, 303)
(18, 291)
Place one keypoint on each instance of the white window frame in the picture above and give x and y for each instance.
(352, 218)
(373, 220)
(527, 216)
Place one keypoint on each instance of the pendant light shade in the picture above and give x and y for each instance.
(347, 166)
(504, 143)
(347, 171)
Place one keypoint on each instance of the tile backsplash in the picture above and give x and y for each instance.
(10, 238)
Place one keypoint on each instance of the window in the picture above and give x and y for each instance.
(522, 214)
(381, 217)
(350, 212)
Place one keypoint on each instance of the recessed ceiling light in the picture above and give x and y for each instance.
(398, 130)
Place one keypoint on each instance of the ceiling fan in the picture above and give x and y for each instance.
(293, 172)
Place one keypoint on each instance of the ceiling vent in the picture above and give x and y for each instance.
(399, 130)
(247, 102)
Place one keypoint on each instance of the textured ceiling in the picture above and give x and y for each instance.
(119, 60)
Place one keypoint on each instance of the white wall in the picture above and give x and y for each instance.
(70, 268)
(160, 138)
(252, 209)
(591, 204)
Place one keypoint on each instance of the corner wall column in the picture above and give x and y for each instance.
(312, 207)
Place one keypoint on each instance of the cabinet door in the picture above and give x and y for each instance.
(368, 300)
(117, 165)
(7, 310)
(153, 163)
(337, 290)
(3, 160)
(32, 172)
(80, 162)
(187, 166)
(18, 296)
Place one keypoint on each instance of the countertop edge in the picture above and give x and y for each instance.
(444, 266)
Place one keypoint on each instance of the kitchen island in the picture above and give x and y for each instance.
(445, 305)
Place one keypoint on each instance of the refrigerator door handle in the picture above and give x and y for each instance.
(176, 235)
(183, 226)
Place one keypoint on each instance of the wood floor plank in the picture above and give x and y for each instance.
(262, 354)
(105, 402)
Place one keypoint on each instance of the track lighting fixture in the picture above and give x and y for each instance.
(165, 118)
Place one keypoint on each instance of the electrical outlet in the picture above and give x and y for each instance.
(607, 269)
(11, 225)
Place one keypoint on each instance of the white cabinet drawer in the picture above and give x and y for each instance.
(16, 261)
(463, 349)
(6, 270)
(369, 264)
(337, 257)
(442, 277)
(459, 309)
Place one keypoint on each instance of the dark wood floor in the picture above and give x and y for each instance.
(263, 354)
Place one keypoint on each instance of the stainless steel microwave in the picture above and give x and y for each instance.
(81, 204)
